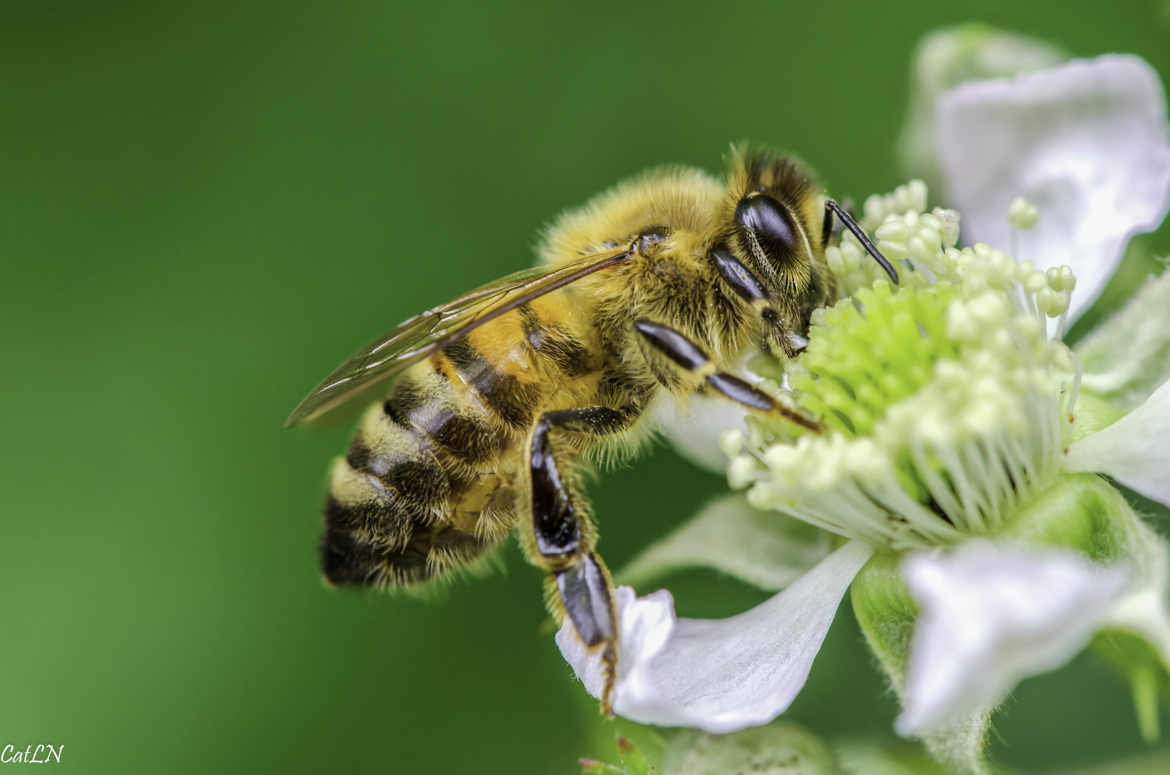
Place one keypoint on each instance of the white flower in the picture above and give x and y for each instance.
(944, 59)
(993, 614)
(719, 675)
(1086, 143)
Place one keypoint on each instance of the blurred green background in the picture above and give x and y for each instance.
(206, 206)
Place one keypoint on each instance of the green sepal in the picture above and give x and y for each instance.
(1082, 512)
(780, 748)
(873, 757)
(763, 548)
(1128, 356)
(636, 757)
(887, 613)
(1141, 666)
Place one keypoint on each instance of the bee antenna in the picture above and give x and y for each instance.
(866, 243)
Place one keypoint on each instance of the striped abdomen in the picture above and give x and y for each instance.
(430, 480)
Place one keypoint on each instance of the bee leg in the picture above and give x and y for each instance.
(748, 287)
(685, 353)
(564, 540)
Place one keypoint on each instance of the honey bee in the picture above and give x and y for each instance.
(498, 400)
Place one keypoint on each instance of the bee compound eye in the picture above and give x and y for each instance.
(767, 221)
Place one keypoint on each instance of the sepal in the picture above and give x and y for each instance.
(763, 548)
(781, 748)
(1128, 356)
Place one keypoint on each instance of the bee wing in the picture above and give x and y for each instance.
(418, 337)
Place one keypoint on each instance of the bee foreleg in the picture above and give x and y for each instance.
(748, 287)
(562, 538)
(690, 356)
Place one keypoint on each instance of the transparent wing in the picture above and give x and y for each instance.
(418, 337)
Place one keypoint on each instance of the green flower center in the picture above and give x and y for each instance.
(944, 403)
(859, 364)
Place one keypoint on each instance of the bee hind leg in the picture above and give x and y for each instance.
(564, 538)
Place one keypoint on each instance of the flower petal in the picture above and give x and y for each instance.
(693, 428)
(947, 57)
(992, 615)
(1135, 450)
(763, 548)
(1085, 142)
(719, 675)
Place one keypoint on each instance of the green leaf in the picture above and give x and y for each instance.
(1128, 356)
(781, 748)
(763, 548)
(887, 614)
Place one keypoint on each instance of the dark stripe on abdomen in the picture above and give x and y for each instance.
(397, 455)
(471, 441)
(351, 555)
(346, 560)
(513, 401)
(406, 398)
(396, 513)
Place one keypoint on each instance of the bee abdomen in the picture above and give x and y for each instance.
(510, 399)
(377, 535)
(355, 557)
(397, 509)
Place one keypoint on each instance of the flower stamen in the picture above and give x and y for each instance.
(945, 400)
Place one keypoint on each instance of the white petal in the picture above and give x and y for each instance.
(991, 615)
(719, 675)
(947, 57)
(1085, 142)
(693, 428)
(1135, 450)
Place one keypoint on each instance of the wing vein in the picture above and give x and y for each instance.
(416, 338)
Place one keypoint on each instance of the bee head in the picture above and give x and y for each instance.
(773, 219)
(773, 225)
